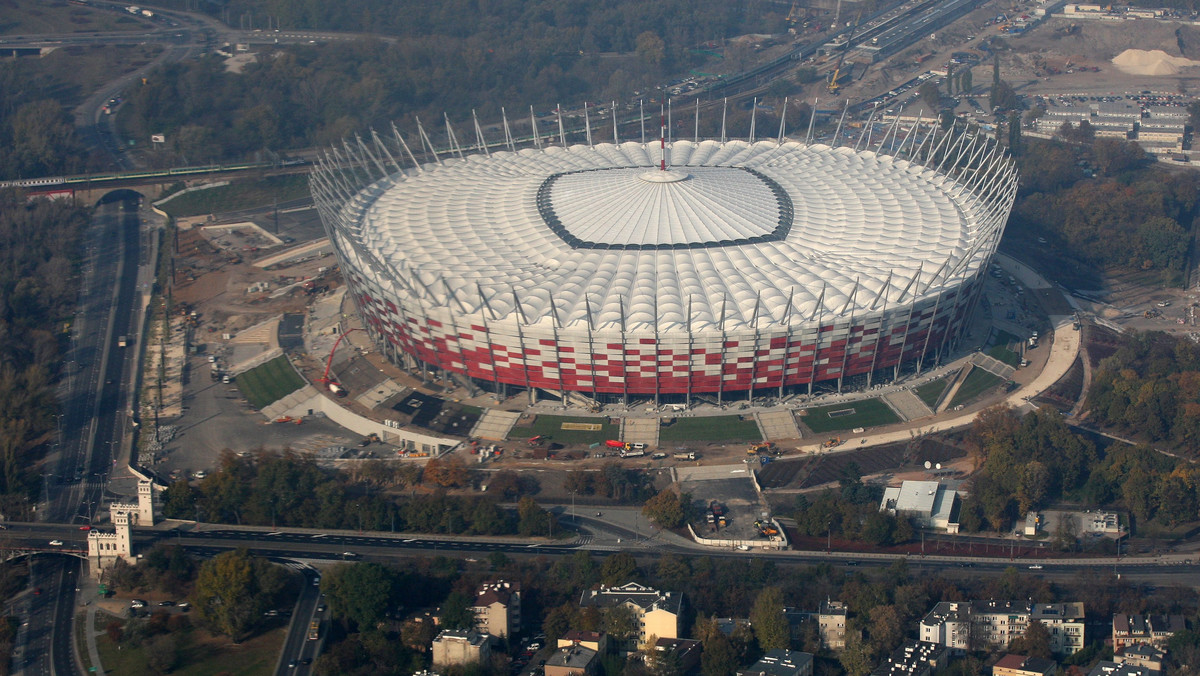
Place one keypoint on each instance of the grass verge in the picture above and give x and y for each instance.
(715, 428)
(866, 413)
(929, 392)
(1001, 353)
(550, 426)
(198, 653)
(268, 383)
(978, 381)
(242, 195)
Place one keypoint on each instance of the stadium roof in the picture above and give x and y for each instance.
(754, 233)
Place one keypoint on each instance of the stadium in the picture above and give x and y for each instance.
(668, 271)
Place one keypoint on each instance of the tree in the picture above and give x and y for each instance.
(618, 569)
(232, 591)
(448, 472)
(620, 622)
(162, 654)
(770, 625)
(718, 658)
(651, 49)
(359, 592)
(886, 627)
(856, 657)
(664, 509)
(457, 613)
(532, 519)
(930, 94)
(1034, 643)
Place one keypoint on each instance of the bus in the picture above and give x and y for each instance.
(314, 630)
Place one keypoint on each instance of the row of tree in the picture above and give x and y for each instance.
(283, 489)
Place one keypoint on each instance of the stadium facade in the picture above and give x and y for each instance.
(665, 271)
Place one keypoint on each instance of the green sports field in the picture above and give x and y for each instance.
(865, 413)
(268, 383)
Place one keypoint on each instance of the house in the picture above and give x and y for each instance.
(964, 626)
(657, 612)
(780, 663)
(573, 661)
(930, 504)
(682, 652)
(1021, 665)
(1106, 668)
(1153, 630)
(914, 658)
(497, 608)
(832, 621)
(1064, 621)
(1142, 655)
(593, 640)
(452, 648)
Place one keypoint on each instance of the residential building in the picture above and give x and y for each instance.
(963, 626)
(1153, 630)
(914, 658)
(1064, 621)
(930, 504)
(684, 652)
(1106, 668)
(657, 612)
(497, 608)
(573, 661)
(1142, 655)
(948, 624)
(460, 647)
(832, 621)
(1023, 665)
(594, 640)
(780, 663)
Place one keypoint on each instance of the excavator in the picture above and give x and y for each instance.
(835, 82)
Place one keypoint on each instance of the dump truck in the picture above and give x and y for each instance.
(687, 455)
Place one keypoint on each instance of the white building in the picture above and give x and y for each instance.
(657, 612)
(452, 648)
(930, 503)
(963, 626)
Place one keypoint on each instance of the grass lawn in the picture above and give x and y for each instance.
(867, 413)
(200, 653)
(715, 428)
(25, 17)
(1003, 337)
(1001, 353)
(266, 384)
(978, 381)
(551, 426)
(929, 392)
(242, 195)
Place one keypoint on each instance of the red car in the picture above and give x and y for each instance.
(85, 528)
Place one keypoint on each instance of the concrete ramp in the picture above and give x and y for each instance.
(290, 402)
(495, 424)
(907, 405)
(640, 431)
(777, 424)
(948, 395)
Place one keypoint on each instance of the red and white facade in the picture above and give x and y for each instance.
(748, 268)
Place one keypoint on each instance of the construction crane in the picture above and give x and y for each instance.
(794, 15)
(334, 387)
(835, 78)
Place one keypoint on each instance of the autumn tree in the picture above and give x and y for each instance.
(665, 509)
(770, 625)
(445, 472)
(232, 591)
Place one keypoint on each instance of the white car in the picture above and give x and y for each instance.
(56, 543)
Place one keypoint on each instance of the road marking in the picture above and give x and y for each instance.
(320, 535)
(532, 546)
(273, 534)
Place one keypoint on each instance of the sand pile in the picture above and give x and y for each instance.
(1155, 62)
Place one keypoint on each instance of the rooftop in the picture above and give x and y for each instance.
(779, 663)
(575, 657)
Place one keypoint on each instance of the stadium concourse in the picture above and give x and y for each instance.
(669, 272)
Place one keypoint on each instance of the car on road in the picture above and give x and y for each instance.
(321, 608)
(292, 664)
(1036, 566)
(56, 543)
(166, 603)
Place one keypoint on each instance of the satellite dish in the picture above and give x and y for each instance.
(927, 464)
(938, 466)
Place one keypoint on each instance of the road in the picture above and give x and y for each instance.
(93, 404)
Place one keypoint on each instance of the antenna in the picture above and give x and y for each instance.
(662, 140)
